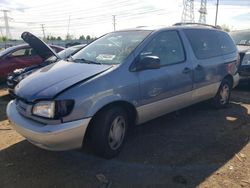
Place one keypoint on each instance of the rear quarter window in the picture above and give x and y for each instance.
(227, 43)
(204, 43)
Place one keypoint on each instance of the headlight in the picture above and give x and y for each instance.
(246, 59)
(22, 76)
(44, 109)
(53, 109)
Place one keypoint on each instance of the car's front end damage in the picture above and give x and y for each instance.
(41, 115)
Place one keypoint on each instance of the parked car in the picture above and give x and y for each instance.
(122, 79)
(21, 56)
(19, 74)
(242, 40)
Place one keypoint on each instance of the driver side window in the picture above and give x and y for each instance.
(167, 46)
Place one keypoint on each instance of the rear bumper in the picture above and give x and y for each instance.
(244, 72)
(59, 137)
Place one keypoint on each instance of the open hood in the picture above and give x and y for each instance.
(41, 48)
(47, 82)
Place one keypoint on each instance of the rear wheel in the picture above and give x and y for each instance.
(221, 99)
(108, 131)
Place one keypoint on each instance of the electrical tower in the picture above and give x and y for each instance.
(6, 23)
(203, 11)
(188, 11)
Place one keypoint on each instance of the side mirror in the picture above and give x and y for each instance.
(148, 62)
(8, 56)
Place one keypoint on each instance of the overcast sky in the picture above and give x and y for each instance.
(95, 17)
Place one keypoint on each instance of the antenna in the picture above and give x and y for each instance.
(203, 11)
(188, 11)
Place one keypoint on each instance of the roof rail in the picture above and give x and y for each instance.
(201, 24)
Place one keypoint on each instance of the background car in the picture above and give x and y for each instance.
(19, 57)
(19, 74)
(242, 40)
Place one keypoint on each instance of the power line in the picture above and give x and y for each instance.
(83, 21)
(58, 11)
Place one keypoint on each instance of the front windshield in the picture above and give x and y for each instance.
(241, 37)
(112, 48)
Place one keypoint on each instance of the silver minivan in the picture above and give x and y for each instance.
(122, 79)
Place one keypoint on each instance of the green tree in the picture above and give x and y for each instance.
(3, 38)
(82, 37)
(58, 38)
(88, 38)
(225, 27)
(69, 37)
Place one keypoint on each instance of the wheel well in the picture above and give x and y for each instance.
(130, 109)
(230, 79)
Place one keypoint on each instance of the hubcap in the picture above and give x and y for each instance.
(117, 132)
(224, 93)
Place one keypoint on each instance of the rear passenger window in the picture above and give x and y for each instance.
(204, 43)
(227, 44)
(167, 46)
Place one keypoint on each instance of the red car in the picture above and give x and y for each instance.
(21, 56)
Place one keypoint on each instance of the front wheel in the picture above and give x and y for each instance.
(108, 131)
(222, 98)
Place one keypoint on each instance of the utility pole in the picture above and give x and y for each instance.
(43, 30)
(216, 16)
(1, 31)
(188, 11)
(203, 11)
(114, 21)
(6, 23)
(68, 36)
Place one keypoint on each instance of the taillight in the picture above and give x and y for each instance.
(238, 61)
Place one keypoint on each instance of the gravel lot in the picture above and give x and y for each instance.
(194, 147)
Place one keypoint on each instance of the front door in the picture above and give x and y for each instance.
(170, 87)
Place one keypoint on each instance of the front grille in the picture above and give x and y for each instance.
(21, 106)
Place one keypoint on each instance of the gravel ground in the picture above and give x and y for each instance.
(194, 147)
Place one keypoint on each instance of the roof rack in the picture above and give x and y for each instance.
(201, 24)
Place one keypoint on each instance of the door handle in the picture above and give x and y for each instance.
(198, 67)
(186, 70)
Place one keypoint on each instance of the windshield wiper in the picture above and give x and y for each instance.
(241, 44)
(70, 58)
(86, 61)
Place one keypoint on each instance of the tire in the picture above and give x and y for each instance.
(222, 98)
(109, 131)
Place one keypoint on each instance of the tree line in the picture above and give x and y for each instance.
(52, 38)
(70, 37)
